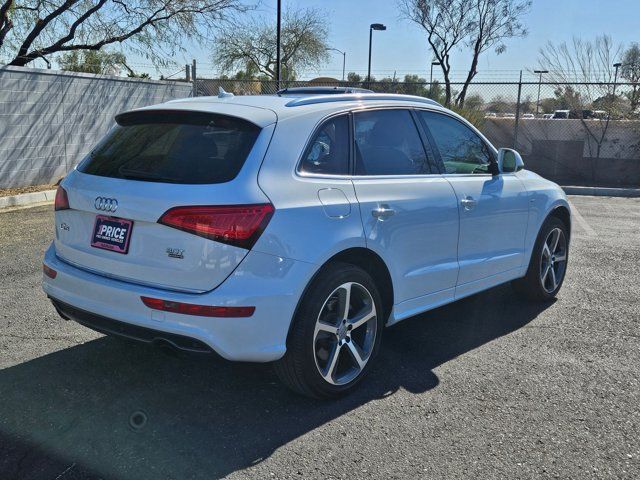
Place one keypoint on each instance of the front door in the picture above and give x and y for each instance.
(493, 209)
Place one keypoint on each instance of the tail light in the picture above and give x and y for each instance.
(238, 225)
(200, 310)
(62, 201)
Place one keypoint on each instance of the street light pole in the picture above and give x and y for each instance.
(539, 85)
(372, 27)
(279, 29)
(369, 69)
(344, 59)
(431, 79)
(615, 84)
(615, 79)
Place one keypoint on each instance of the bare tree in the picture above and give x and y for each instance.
(591, 64)
(492, 22)
(478, 24)
(630, 71)
(447, 24)
(6, 23)
(251, 45)
(30, 29)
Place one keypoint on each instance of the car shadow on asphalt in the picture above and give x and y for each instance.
(113, 409)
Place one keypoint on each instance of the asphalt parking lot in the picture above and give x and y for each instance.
(487, 388)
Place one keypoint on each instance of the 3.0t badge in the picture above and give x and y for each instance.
(175, 252)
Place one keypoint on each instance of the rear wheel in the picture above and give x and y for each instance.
(548, 263)
(335, 334)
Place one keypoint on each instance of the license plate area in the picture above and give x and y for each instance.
(111, 233)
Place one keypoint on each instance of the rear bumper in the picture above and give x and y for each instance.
(272, 284)
(127, 330)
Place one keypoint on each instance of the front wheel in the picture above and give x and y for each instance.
(548, 264)
(335, 334)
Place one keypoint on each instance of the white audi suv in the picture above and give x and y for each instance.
(293, 228)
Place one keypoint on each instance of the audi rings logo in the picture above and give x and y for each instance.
(106, 204)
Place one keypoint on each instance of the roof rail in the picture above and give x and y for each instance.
(321, 90)
(354, 97)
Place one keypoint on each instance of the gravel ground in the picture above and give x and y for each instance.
(489, 387)
(5, 192)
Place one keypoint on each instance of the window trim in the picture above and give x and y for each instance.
(321, 123)
(427, 141)
(425, 146)
(432, 156)
(464, 122)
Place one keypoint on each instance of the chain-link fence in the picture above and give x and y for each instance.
(573, 133)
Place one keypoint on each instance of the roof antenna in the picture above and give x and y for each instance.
(223, 94)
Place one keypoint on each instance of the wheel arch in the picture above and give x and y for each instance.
(560, 211)
(375, 266)
(370, 262)
(563, 213)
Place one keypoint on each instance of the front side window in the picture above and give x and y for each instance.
(328, 152)
(461, 149)
(388, 143)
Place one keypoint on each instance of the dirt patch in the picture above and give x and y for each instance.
(6, 192)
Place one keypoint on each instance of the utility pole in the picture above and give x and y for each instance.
(278, 34)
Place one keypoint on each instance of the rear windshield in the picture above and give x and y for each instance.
(173, 147)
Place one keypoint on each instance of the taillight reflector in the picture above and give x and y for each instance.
(62, 201)
(48, 271)
(238, 225)
(200, 310)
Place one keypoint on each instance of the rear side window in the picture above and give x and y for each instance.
(173, 147)
(328, 152)
(388, 143)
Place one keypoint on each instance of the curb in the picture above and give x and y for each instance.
(24, 199)
(602, 191)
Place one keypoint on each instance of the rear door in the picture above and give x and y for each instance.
(493, 208)
(150, 163)
(409, 211)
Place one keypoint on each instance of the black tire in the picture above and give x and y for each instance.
(531, 285)
(298, 368)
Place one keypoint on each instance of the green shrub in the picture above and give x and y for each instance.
(475, 117)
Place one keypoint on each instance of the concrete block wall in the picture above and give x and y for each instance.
(565, 152)
(50, 119)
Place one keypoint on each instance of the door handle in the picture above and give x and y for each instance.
(382, 212)
(468, 203)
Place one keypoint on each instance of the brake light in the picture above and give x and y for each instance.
(238, 225)
(49, 272)
(62, 201)
(200, 310)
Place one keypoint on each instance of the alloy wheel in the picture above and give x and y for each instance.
(554, 260)
(345, 333)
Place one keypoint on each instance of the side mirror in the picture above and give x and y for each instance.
(509, 161)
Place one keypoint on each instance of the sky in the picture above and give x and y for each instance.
(403, 48)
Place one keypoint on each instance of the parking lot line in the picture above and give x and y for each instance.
(590, 232)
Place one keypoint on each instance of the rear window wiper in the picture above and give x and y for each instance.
(143, 175)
